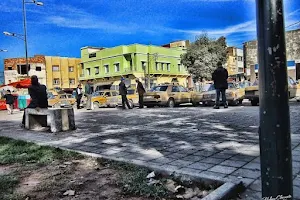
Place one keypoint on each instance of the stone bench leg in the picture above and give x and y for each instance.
(61, 120)
(35, 121)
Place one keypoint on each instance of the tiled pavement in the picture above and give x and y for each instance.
(217, 144)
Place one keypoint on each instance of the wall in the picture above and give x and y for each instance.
(137, 54)
(63, 74)
(12, 75)
(292, 50)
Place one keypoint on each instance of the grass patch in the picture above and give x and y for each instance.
(16, 151)
(133, 180)
(7, 185)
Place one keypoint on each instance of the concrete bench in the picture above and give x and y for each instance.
(58, 119)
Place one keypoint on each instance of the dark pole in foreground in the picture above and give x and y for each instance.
(274, 133)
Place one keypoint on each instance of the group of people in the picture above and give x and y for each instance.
(39, 97)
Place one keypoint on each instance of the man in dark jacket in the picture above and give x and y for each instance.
(9, 100)
(78, 95)
(88, 93)
(141, 91)
(123, 93)
(220, 77)
(38, 95)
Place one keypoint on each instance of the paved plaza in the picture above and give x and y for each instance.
(217, 144)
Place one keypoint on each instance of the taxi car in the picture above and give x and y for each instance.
(252, 92)
(105, 98)
(168, 94)
(61, 100)
(234, 95)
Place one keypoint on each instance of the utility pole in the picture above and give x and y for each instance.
(148, 75)
(274, 131)
(25, 38)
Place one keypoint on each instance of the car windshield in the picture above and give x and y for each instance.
(51, 96)
(159, 88)
(206, 87)
(98, 94)
(231, 86)
(130, 92)
(212, 87)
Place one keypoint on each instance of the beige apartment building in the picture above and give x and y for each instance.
(52, 71)
(62, 72)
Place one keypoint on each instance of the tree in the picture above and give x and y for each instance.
(203, 55)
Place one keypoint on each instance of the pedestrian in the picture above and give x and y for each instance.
(141, 91)
(220, 76)
(123, 93)
(9, 100)
(38, 95)
(88, 94)
(78, 95)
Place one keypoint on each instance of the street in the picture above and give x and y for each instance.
(219, 144)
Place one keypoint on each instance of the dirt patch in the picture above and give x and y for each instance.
(86, 178)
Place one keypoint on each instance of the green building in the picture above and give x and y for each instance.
(158, 64)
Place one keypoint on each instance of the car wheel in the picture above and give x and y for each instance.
(195, 104)
(254, 102)
(171, 103)
(131, 103)
(150, 106)
(96, 105)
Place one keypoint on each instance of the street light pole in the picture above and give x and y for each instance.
(25, 38)
(274, 131)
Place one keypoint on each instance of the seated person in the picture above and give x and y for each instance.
(38, 94)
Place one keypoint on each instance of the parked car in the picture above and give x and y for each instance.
(61, 100)
(252, 92)
(105, 98)
(234, 95)
(198, 96)
(167, 95)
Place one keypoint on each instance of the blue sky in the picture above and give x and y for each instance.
(63, 27)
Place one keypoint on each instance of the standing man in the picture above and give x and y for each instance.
(88, 93)
(220, 77)
(141, 91)
(78, 95)
(9, 98)
(38, 95)
(123, 93)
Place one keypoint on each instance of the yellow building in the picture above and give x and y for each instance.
(62, 72)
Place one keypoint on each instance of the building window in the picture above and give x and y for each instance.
(168, 66)
(71, 69)
(9, 68)
(72, 81)
(162, 66)
(56, 81)
(106, 69)
(38, 68)
(117, 67)
(97, 70)
(88, 71)
(157, 66)
(22, 69)
(92, 55)
(55, 68)
(143, 65)
(240, 58)
(179, 67)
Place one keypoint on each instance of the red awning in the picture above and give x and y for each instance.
(21, 84)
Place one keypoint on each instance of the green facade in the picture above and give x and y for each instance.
(129, 60)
